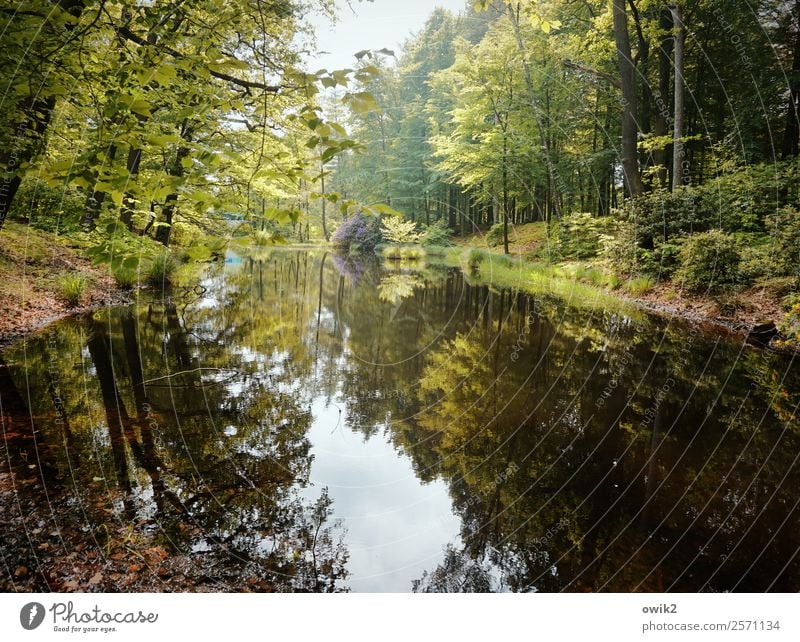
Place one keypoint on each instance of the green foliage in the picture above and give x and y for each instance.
(71, 288)
(161, 269)
(473, 257)
(742, 200)
(437, 234)
(404, 252)
(789, 326)
(51, 209)
(125, 277)
(710, 261)
(395, 229)
(639, 285)
(580, 236)
(784, 248)
(495, 234)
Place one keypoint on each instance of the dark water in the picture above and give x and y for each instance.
(300, 422)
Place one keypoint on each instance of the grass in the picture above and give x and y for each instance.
(162, 269)
(404, 252)
(125, 277)
(71, 288)
(562, 281)
(639, 286)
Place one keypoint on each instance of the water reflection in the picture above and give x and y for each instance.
(300, 421)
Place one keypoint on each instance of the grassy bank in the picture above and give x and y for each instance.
(44, 277)
(595, 282)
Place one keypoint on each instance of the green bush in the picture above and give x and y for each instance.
(580, 236)
(789, 325)
(71, 288)
(739, 201)
(495, 235)
(709, 261)
(437, 234)
(784, 230)
(472, 258)
(51, 209)
(125, 277)
(161, 269)
(396, 229)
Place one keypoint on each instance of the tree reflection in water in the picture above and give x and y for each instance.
(584, 449)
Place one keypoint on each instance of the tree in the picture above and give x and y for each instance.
(627, 73)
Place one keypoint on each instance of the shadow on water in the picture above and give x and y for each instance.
(169, 445)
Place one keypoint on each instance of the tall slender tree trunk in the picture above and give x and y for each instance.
(680, 175)
(791, 134)
(541, 125)
(663, 102)
(324, 212)
(505, 194)
(627, 72)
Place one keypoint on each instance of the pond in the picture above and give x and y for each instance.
(295, 421)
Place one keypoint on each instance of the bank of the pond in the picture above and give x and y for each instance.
(754, 312)
(44, 277)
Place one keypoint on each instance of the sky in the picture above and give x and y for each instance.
(370, 25)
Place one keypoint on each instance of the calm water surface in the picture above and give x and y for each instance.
(301, 422)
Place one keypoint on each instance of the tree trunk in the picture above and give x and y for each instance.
(128, 201)
(663, 102)
(680, 174)
(164, 232)
(627, 72)
(541, 126)
(791, 135)
(324, 219)
(37, 113)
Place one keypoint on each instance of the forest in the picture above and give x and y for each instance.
(632, 145)
(512, 306)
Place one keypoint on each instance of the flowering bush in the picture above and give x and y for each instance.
(359, 233)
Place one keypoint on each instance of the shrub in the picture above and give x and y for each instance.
(789, 325)
(404, 252)
(437, 234)
(52, 209)
(618, 247)
(738, 201)
(125, 277)
(162, 269)
(359, 233)
(709, 261)
(784, 229)
(398, 230)
(472, 258)
(495, 234)
(71, 288)
(580, 236)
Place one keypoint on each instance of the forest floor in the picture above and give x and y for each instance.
(739, 311)
(33, 265)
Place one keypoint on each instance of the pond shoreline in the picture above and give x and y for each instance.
(33, 262)
(756, 323)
